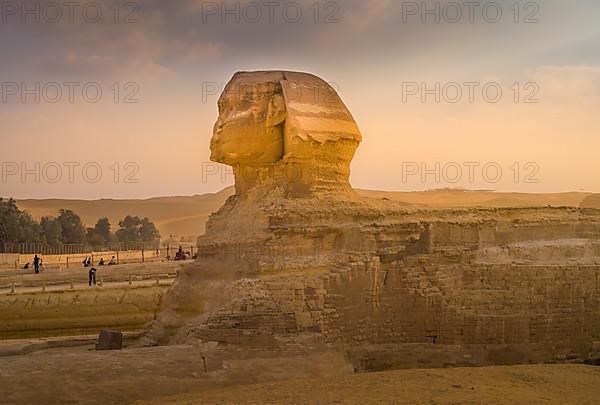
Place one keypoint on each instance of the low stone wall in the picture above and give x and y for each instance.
(77, 312)
(9, 259)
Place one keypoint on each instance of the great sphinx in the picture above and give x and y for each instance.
(295, 254)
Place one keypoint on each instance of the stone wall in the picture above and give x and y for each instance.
(77, 312)
(461, 293)
(535, 312)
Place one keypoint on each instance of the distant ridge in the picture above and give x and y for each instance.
(186, 216)
(593, 201)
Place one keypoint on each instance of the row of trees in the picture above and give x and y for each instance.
(18, 226)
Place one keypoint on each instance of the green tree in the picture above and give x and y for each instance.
(134, 229)
(99, 235)
(93, 239)
(72, 229)
(51, 230)
(17, 226)
(148, 231)
(102, 228)
(128, 229)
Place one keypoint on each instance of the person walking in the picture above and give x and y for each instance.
(92, 276)
(36, 264)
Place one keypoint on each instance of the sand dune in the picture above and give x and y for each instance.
(186, 216)
(181, 216)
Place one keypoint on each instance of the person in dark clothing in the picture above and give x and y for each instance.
(92, 276)
(36, 264)
(180, 255)
(26, 267)
(101, 262)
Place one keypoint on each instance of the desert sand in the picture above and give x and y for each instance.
(172, 215)
(177, 374)
(540, 384)
(187, 216)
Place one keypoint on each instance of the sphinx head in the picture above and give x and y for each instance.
(284, 129)
(249, 128)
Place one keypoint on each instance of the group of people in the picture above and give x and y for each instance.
(37, 264)
(87, 262)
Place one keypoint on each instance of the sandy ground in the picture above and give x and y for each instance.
(538, 384)
(55, 279)
(82, 375)
(177, 374)
(166, 281)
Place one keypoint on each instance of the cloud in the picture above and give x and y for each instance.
(147, 50)
(369, 13)
(569, 84)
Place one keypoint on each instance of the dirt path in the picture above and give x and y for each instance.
(85, 286)
(537, 384)
(114, 276)
(182, 375)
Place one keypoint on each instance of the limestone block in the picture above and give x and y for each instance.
(110, 340)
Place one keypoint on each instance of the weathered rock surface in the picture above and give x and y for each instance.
(77, 312)
(306, 262)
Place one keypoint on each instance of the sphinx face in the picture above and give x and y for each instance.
(249, 129)
(284, 130)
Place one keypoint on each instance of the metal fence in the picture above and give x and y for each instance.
(67, 249)
(17, 256)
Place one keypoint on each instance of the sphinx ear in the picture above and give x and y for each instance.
(277, 111)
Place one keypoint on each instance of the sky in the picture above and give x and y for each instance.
(118, 101)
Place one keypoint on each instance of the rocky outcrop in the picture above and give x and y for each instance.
(306, 262)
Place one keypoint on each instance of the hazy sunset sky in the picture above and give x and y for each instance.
(374, 51)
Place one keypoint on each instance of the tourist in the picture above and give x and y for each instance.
(112, 262)
(180, 255)
(92, 276)
(101, 262)
(36, 264)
